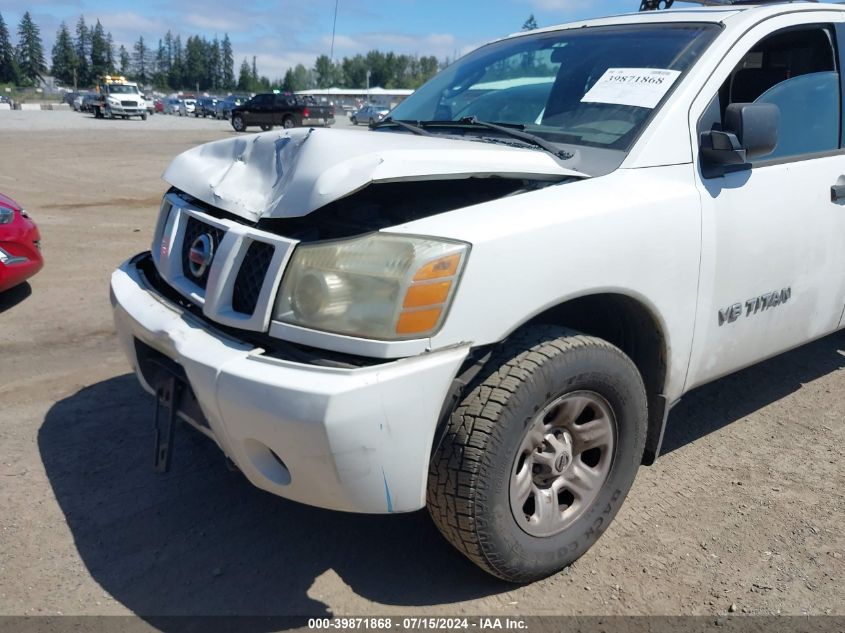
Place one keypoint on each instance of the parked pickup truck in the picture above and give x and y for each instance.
(284, 110)
(489, 304)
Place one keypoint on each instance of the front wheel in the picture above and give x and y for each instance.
(238, 123)
(539, 456)
(143, 117)
(288, 122)
(265, 127)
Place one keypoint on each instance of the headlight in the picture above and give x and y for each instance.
(7, 215)
(381, 286)
(114, 101)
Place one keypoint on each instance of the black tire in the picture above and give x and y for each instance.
(238, 123)
(288, 122)
(143, 117)
(470, 473)
(265, 127)
(354, 121)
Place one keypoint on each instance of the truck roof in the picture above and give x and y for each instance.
(728, 14)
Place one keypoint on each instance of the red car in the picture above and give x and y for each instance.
(20, 245)
(158, 104)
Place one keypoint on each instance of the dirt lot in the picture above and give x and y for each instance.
(746, 508)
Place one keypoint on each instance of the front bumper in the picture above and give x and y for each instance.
(357, 440)
(126, 110)
(20, 256)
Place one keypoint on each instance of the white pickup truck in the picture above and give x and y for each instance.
(489, 304)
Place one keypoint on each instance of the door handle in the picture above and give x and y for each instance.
(837, 193)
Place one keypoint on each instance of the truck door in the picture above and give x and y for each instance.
(772, 263)
(260, 110)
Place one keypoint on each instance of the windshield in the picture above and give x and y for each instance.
(121, 89)
(592, 87)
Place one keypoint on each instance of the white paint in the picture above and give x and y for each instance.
(640, 87)
(654, 230)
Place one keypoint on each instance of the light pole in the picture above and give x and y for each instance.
(368, 87)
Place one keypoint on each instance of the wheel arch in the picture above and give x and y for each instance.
(633, 325)
(627, 321)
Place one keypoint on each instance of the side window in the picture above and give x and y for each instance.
(796, 69)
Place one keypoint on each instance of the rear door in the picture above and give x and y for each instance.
(772, 256)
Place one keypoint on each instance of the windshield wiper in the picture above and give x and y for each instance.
(517, 131)
(405, 125)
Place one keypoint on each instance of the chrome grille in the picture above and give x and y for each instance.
(251, 276)
(238, 288)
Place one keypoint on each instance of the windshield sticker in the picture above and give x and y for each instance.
(641, 87)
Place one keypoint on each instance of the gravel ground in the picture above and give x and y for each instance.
(744, 512)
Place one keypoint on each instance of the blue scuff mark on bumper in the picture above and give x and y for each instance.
(387, 492)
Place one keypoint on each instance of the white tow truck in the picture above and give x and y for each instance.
(488, 304)
(118, 98)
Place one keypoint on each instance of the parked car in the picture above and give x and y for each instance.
(20, 245)
(206, 106)
(285, 110)
(158, 105)
(369, 114)
(6, 100)
(149, 103)
(172, 105)
(494, 319)
(224, 107)
(187, 106)
(89, 101)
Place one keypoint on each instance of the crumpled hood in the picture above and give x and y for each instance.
(292, 173)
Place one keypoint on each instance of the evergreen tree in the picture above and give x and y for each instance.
(214, 70)
(30, 51)
(193, 69)
(530, 24)
(175, 77)
(227, 61)
(8, 64)
(64, 57)
(254, 71)
(160, 67)
(245, 77)
(123, 60)
(110, 53)
(99, 53)
(141, 61)
(83, 53)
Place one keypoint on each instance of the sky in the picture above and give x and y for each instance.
(283, 33)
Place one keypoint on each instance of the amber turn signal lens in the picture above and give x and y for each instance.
(419, 321)
(421, 295)
(443, 267)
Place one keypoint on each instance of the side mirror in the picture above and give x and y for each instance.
(750, 131)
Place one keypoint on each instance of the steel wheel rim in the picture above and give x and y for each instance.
(562, 462)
